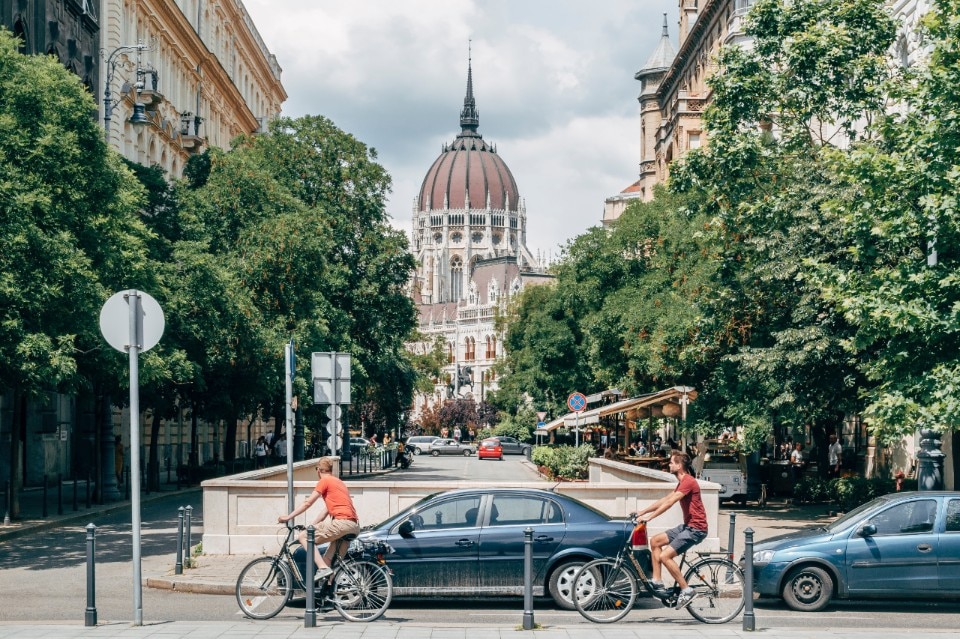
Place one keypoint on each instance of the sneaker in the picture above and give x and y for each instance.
(685, 597)
(659, 590)
(321, 573)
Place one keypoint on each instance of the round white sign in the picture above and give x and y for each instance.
(334, 411)
(115, 321)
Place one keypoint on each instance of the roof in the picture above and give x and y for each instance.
(662, 56)
(585, 418)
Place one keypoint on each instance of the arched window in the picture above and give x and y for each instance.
(493, 346)
(456, 279)
(487, 354)
(473, 298)
(449, 353)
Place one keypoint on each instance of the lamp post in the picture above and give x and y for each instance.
(139, 116)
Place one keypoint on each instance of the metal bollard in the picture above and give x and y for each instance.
(528, 578)
(749, 620)
(90, 615)
(178, 568)
(8, 501)
(310, 614)
(75, 508)
(732, 537)
(44, 496)
(59, 493)
(188, 550)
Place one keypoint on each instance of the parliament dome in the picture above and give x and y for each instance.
(469, 174)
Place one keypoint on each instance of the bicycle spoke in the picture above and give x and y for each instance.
(719, 587)
(263, 588)
(604, 591)
(362, 590)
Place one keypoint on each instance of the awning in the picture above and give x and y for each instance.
(673, 395)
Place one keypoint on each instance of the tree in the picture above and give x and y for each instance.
(896, 209)
(69, 234)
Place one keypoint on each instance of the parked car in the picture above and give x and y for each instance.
(490, 449)
(420, 443)
(513, 446)
(357, 443)
(451, 447)
(470, 542)
(897, 546)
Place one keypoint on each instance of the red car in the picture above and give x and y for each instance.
(490, 449)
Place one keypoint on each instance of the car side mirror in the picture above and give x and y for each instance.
(868, 530)
(406, 529)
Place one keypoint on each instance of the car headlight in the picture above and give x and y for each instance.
(763, 556)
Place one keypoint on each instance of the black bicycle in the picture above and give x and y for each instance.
(606, 589)
(360, 587)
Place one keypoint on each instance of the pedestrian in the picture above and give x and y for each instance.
(281, 447)
(373, 439)
(834, 456)
(260, 451)
(796, 461)
(456, 434)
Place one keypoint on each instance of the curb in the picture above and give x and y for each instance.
(193, 587)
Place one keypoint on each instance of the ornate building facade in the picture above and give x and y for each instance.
(207, 77)
(469, 238)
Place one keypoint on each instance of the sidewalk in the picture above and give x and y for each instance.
(393, 630)
(32, 521)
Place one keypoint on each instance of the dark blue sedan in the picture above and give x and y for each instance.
(897, 546)
(470, 543)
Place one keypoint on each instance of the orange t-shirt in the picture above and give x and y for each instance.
(336, 497)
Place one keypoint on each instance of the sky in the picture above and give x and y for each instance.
(553, 82)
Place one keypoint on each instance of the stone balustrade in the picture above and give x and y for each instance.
(240, 511)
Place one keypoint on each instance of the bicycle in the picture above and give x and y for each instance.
(606, 589)
(360, 587)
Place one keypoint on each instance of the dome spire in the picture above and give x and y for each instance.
(469, 116)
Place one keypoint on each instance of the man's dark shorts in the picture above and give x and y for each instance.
(683, 538)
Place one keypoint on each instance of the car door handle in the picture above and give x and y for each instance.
(924, 547)
(543, 538)
(466, 543)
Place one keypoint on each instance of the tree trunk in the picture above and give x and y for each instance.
(153, 466)
(17, 424)
(230, 441)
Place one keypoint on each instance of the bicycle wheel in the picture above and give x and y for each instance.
(604, 591)
(719, 587)
(362, 591)
(264, 587)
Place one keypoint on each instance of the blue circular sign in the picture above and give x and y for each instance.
(576, 402)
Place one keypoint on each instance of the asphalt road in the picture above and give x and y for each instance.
(44, 578)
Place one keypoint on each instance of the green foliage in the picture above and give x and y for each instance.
(567, 462)
(69, 231)
(850, 492)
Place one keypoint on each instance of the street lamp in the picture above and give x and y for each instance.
(139, 114)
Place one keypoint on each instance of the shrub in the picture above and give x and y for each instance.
(567, 462)
(811, 490)
(850, 492)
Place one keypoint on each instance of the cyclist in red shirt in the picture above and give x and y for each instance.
(337, 516)
(665, 546)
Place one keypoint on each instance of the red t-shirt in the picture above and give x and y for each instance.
(336, 497)
(694, 514)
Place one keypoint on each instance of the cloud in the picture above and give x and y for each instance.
(553, 81)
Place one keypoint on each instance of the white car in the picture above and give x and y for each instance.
(420, 443)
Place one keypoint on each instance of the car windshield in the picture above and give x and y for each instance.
(853, 516)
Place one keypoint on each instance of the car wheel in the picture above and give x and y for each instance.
(435, 453)
(525, 451)
(466, 453)
(808, 589)
(561, 584)
(416, 450)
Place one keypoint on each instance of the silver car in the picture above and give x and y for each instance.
(420, 443)
(451, 447)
